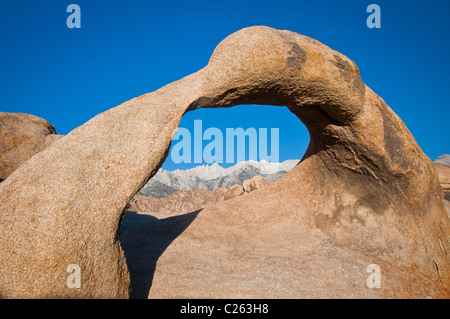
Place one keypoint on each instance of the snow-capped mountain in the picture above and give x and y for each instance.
(209, 177)
(443, 159)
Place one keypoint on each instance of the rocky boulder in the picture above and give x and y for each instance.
(254, 183)
(22, 136)
(248, 186)
(234, 191)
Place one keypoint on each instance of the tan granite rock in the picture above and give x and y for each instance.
(178, 203)
(21, 136)
(363, 194)
(254, 183)
(234, 191)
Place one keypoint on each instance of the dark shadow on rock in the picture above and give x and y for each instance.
(144, 238)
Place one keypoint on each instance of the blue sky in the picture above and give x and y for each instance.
(128, 48)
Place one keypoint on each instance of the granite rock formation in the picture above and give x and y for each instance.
(254, 183)
(234, 191)
(364, 193)
(181, 202)
(22, 136)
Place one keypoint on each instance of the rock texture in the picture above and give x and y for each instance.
(247, 186)
(364, 192)
(181, 202)
(254, 183)
(22, 136)
(234, 191)
(443, 172)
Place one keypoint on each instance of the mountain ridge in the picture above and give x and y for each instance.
(443, 159)
(210, 177)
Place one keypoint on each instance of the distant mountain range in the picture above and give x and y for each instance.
(443, 159)
(209, 177)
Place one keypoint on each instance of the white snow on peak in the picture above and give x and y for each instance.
(209, 172)
(205, 172)
(209, 177)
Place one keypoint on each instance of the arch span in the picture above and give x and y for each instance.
(371, 191)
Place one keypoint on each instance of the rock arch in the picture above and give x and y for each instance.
(366, 187)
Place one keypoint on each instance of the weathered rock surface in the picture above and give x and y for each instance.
(22, 136)
(247, 186)
(181, 202)
(254, 183)
(443, 172)
(234, 191)
(364, 192)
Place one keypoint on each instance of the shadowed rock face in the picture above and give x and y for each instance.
(364, 192)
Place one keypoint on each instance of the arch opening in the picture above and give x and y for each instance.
(266, 141)
(352, 191)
